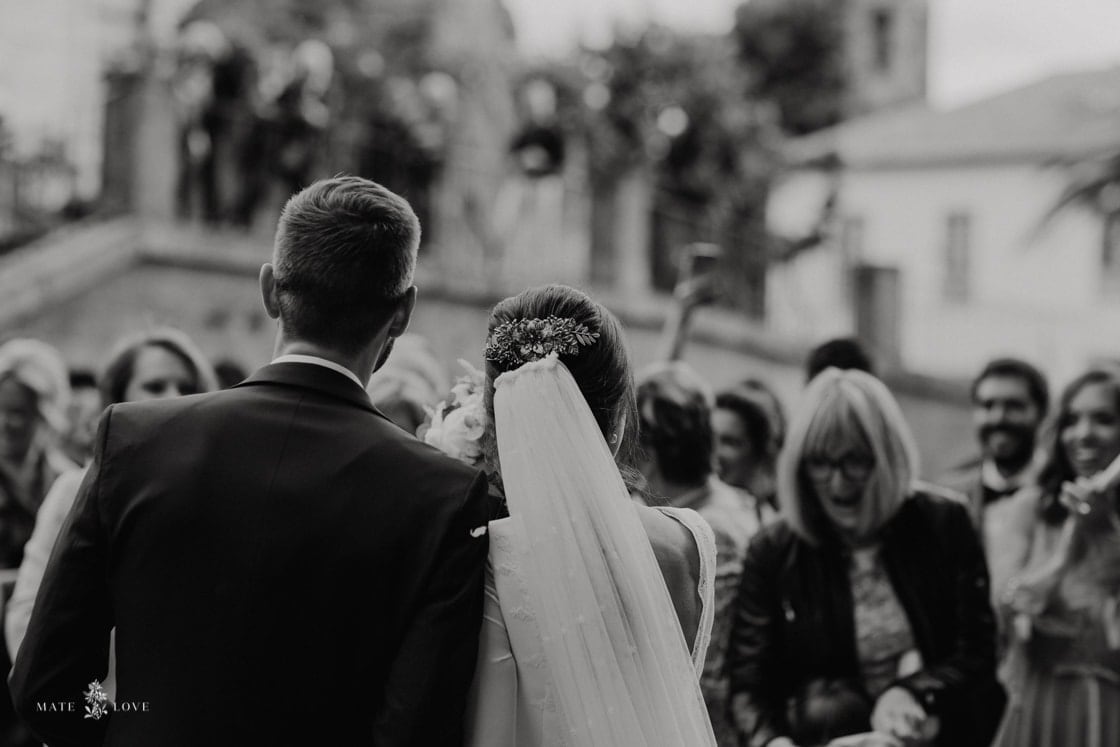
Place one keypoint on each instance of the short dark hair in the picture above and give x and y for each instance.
(1015, 368)
(344, 254)
(674, 410)
(756, 420)
(845, 353)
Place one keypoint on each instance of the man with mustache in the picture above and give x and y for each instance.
(1009, 401)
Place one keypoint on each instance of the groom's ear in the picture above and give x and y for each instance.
(403, 313)
(268, 290)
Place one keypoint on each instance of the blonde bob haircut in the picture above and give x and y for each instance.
(841, 411)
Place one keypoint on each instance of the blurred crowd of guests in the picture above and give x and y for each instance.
(245, 124)
(258, 124)
(855, 604)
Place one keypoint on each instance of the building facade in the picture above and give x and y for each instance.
(947, 249)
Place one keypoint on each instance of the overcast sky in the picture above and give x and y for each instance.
(977, 47)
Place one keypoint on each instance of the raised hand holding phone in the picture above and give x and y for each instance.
(697, 277)
(697, 285)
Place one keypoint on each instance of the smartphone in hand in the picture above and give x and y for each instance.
(698, 279)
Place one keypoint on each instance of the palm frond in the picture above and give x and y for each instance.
(1093, 179)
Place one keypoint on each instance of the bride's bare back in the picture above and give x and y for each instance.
(679, 560)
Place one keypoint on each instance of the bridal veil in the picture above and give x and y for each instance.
(612, 643)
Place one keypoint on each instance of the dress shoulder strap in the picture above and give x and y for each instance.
(706, 545)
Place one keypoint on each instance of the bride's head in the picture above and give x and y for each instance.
(601, 369)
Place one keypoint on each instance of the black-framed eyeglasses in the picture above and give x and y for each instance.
(853, 467)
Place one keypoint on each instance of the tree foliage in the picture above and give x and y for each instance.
(677, 106)
(792, 50)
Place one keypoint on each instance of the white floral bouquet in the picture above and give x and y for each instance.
(458, 426)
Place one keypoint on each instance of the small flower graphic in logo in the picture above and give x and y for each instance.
(96, 701)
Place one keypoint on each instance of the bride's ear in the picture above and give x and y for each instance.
(615, 438)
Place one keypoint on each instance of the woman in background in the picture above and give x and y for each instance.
(864, 581)
(151, 365)
(749, 429)
(34, 393)
(1063, 669)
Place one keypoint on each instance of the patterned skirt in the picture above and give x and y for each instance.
(1074, 706)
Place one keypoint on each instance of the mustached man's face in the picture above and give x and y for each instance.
(1006, 419)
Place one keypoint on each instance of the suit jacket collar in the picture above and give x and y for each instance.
(318, 378)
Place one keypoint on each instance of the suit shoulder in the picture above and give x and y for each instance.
(133, 422)
(413, 452)
(159, 409)
(436, 481)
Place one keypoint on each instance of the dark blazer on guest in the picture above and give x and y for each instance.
(794, 622)
(283, 566)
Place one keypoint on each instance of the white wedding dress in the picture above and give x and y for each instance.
(512, 701)
(580, 644)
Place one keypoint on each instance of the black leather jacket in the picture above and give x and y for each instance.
(794, 622)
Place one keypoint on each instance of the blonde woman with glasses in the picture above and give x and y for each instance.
(863, 615)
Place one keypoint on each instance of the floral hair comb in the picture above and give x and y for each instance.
(521, 341)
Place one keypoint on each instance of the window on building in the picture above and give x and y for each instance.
(851, 254)
(958, 241)
(1110, 255)
(851, 239)
(882, 33)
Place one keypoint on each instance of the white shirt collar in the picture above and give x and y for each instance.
(317, 361)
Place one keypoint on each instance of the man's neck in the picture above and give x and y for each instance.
(353, 363)
(1004, 474)
(1010, 469)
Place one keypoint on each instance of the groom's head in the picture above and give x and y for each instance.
(342, 264)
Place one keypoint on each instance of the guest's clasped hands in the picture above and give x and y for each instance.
(898, 715)
(898, 720)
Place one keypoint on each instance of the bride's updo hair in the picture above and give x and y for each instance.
(602, 369)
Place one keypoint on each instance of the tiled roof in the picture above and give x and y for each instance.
(1065, 116)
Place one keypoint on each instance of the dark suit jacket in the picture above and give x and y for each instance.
(283, 566)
